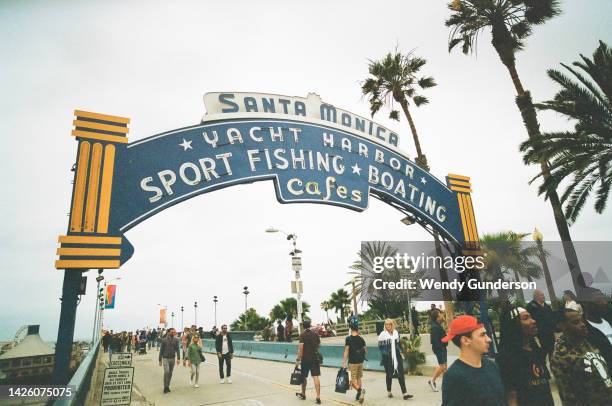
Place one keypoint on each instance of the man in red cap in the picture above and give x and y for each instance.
(471, 380)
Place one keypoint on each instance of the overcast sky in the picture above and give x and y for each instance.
(154, 63)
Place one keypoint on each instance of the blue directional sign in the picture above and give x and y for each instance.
(309, 161)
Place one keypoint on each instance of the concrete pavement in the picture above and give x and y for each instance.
(262, 383)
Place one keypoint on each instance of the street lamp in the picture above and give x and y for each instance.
(172, 325)
(182, 321)
(215, 300)
(538, 237)
(99, 279)
(246, 292)
(195, 313)
(296, 262)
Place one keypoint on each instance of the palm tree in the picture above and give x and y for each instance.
(511, 22)
(394, 78)
(286, 307)
(584, 154)
(505, 254)
(250, 320)
(326, 306)
(363, 267)
(339, 301)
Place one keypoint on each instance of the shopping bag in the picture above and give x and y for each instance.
(342, 381)
(296, 377)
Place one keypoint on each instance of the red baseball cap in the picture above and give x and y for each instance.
(461, 325)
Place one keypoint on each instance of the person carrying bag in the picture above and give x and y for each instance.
(296, 377)
(342, 381)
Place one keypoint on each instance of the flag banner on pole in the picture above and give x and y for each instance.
(109, 302)
(162, 316)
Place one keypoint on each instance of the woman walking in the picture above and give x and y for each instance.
(388, 343)
(194, 357)
(439, 348)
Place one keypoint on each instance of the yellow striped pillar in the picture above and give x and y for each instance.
(88, 244)
(463, 188)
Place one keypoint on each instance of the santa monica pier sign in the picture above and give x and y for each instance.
(312, 151)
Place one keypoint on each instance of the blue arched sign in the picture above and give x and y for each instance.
(309, 159)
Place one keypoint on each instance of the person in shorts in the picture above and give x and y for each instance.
(309, 360)
(355, 351)
(438, 347)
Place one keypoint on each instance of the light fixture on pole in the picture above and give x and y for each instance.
(182, 321)
(215, 300)
(408, 220)
(99, 279)
(172, 315)
(296, 263)
(538, 237)
(246, 292)
(195, 313)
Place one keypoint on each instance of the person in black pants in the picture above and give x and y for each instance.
(388, 343)
(225, 352)
(438, 347)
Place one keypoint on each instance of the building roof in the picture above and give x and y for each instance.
(31, 346)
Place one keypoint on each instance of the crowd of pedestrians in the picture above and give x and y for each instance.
(573, 346)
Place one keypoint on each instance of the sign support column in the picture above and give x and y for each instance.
(87, 243)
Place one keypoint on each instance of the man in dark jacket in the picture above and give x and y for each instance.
(542, 313)
(225, 352)
(168, 351)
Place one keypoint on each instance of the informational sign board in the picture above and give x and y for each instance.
(296, 263)
(296, 287)
(117, 387)
(310, 158)
(120, 359)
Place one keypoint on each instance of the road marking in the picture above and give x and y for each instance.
(288, 388)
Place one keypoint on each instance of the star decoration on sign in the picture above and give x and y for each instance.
(186, 144)
(423, 181)
(356, 169)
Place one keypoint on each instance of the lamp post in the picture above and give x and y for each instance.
(297, 267)
(246, 292)
(195, 313)
(99, 279)
(538, 237)
(101, 309)
(172, 315)
(215, 300)
(182, 321)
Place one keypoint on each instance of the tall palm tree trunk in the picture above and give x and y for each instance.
(530, 119)
(421, 160)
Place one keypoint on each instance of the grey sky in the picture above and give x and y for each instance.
(153, 64)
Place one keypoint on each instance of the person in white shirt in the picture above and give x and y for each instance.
(225, 352)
